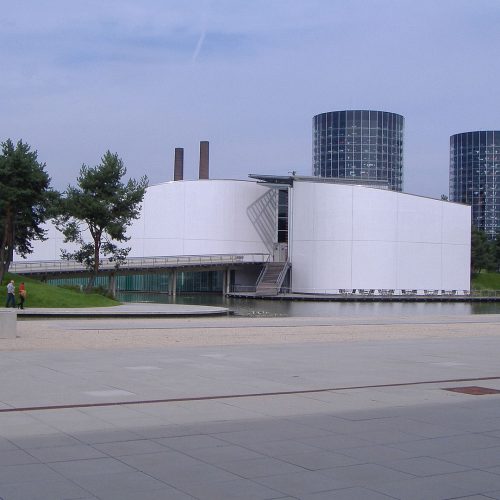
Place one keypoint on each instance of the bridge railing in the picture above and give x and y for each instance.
(65, 266)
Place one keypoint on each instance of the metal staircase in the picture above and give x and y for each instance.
(271, 278)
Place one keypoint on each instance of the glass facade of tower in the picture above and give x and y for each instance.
(475, 176)
(359, 144)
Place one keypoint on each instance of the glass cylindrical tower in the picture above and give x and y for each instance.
(475, 176)
(359, 144)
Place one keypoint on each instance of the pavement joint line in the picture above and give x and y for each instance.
(235, 396)
(221, 327)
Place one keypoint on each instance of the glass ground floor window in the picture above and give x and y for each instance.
(187, 282)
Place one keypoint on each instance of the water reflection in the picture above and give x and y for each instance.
(276, 308)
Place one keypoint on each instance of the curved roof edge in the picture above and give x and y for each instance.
(200, 180)
(372, 110)
(285, 180)
(474, 132)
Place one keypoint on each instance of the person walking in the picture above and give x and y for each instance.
(22, 295)
(11, 297)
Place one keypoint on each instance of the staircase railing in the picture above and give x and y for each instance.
(282, 275)
(262, 272)
(273, 285)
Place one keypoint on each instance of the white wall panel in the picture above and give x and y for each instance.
(333, 216)
(455, 216)
(374, 214)
(153, 247)
(332, 264)
(205, 212)
(161, 211)
(317, 274)
(454, 274)
(303, 212)
(419, 266)
(419, 219)
(303, 271)
(374, 264)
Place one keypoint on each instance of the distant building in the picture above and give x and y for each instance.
(475, 176)
(359, 145)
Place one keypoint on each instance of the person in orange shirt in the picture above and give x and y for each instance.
(22, 295)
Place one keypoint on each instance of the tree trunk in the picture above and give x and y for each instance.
(112, 285)
(2, 260)
(97, 250)
(93, 276)
(90, 283)
(5, 249)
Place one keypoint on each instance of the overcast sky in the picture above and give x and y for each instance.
(143, 77)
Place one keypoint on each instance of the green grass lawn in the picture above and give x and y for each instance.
(486, 281)
(40, 294)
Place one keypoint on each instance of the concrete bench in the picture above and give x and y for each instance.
(8, 323)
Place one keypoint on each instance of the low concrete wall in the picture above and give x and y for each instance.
(8, 323)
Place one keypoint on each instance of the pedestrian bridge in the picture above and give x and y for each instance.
(138, 265)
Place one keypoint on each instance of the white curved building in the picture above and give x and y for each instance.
(337, 238)
(205, 217)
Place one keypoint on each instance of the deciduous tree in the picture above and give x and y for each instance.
(482, 252)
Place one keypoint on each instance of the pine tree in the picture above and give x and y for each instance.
(26, 201)
(97, 212)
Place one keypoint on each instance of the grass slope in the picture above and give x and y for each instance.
(40, 294)
(486, 281)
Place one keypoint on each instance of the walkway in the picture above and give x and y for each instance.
(136, 265)
(344, 408)
(132, 310)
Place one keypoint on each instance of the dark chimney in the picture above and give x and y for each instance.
(179, 164)
(203, 159)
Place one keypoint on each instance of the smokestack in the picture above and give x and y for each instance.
(203, 159)
(179, 164)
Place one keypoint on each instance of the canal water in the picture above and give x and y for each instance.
(284, 308)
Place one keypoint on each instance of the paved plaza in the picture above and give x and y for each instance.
(251, 408)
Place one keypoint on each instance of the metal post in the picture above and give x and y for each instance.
(224, 282)
(174, 282)
(227, 280)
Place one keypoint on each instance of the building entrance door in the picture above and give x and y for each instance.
(280, 252)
